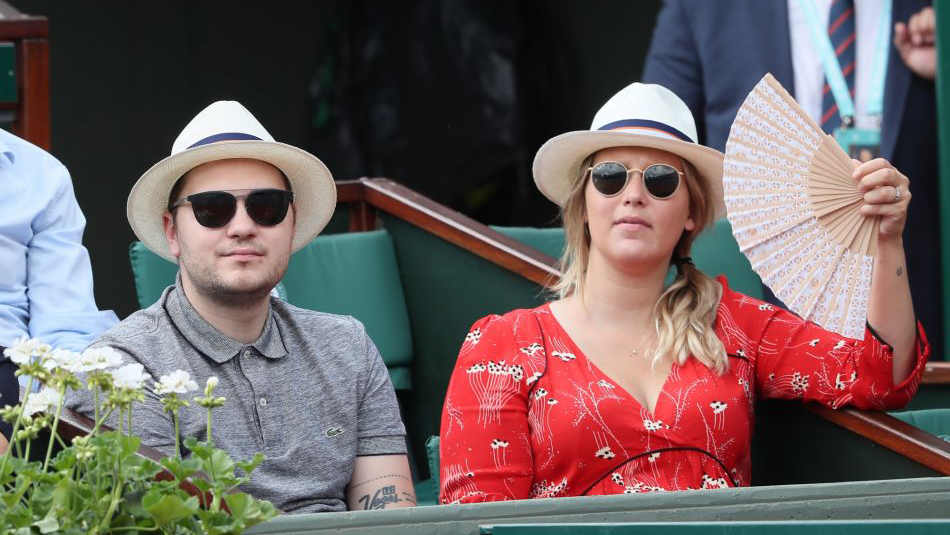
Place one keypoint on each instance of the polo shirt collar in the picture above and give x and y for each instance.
(212, 342)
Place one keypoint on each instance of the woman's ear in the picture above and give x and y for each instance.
(690, 225)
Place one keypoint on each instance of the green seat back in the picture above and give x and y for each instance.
(356, 274)
(152, 273)
(934, 421)
(352, 273)
(549, 241)
(715, 252)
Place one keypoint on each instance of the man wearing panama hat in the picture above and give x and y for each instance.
(307, 389)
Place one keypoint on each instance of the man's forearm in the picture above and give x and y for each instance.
(380, 482)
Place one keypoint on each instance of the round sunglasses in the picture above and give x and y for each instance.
(214, 209)
(660, 180)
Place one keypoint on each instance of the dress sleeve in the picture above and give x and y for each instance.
(485, 443)
(797, 359)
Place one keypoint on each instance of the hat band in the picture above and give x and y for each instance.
(226, 136)
(648, 127)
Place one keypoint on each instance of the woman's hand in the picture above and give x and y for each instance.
(886, 194)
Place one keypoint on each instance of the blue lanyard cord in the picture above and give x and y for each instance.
(833, 73)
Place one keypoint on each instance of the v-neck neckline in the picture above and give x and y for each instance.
(580, 354)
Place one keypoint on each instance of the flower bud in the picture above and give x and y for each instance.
(211, 385)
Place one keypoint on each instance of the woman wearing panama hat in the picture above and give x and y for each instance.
(624, 384)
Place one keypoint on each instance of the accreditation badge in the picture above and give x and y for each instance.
(862, 144)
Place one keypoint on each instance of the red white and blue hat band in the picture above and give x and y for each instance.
(648, 128)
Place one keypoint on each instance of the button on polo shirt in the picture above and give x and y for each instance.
(311, 393)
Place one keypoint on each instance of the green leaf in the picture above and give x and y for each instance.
(203, 484)
(132, 503)
(47, 525)
(218, 523)
(62, 491)
(249, 511)
(220, 464)
(201, 450)
(251, 465)
(129, 445)
(171, 507)
(182, 469)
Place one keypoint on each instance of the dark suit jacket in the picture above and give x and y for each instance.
(712, 53)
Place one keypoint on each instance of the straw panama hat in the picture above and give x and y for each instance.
(640, 115)
(221, 131)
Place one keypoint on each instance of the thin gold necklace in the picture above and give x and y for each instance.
(635, 352)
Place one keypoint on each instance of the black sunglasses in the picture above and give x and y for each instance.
(214, 209)
(660, 180)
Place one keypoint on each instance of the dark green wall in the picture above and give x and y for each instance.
(127, 76)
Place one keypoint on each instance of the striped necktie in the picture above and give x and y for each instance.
(841, 32)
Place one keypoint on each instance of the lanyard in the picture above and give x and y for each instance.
(829, 61)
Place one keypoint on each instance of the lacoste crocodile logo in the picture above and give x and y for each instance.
(334, 431)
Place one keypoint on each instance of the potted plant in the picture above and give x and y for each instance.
(97, 483)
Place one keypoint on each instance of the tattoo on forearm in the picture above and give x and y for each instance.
(900, 271)
(383, 497)
(378, 478)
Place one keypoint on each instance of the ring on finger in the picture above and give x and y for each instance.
(897, 194)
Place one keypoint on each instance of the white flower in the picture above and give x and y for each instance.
(212, 382)
(131, 376)
(177, 382)
(24, 349)
(41, 401)
(95, 358)
(60, 358)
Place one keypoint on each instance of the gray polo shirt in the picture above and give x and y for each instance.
(312, 393)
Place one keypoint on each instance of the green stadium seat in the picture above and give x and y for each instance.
(934, 421)
(352, 273)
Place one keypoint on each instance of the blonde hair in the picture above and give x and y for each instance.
(686, 309)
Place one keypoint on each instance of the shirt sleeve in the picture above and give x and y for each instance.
(380, 428)
(797, 359)
(62, 308)
(485, 441)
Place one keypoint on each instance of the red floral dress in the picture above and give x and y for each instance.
(528, 416)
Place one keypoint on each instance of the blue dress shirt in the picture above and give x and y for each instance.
(45, 274)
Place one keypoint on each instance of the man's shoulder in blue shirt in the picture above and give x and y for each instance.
(46, 286)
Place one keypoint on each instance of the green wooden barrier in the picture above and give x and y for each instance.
(447, 289)
(917, 499)
(943, 121)
(862, 527)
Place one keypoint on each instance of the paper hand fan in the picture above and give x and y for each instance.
(794, 210)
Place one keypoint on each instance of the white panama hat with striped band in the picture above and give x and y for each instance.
(222, 131)
(640, 115)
